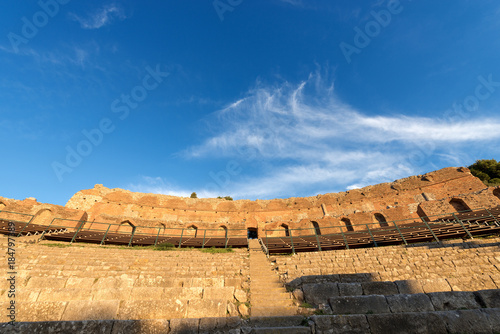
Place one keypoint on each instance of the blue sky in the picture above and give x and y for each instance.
(252, 99)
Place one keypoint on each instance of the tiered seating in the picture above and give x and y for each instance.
(98, 237)
(450, 286)
(83, 283)
(475, 223)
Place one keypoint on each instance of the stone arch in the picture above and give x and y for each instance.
(381, 219)
(348, 224)
(496, 193)
(2, 205)
(43, 217)
(126, 226)
(459, 205)
(223, 230)
(317, 230)
(285, 228)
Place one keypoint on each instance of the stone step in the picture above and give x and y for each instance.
(279, 330)
(261, 311)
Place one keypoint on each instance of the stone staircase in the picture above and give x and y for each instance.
(268, 297)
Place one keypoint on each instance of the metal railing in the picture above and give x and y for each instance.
(375, 233)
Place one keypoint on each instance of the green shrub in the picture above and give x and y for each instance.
(164, 246)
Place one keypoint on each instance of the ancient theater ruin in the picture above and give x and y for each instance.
(420, 254)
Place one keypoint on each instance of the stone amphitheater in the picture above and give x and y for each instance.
(418, 255)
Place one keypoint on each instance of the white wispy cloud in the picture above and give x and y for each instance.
(100, 17)
(296, 138)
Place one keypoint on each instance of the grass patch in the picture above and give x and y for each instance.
(164, 246)
(57, 245)
(306, 305)
(213, 250)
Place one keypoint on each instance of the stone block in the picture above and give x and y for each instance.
(240, 295)
(218, 325)
(225, 293)
(184, 326)
(493, 315)
(340, 324)
(49, 295)
(409, 286)
(356, 278)
(359, 305)
(152, 309)
(396, 323)
(435, 285)
(79, 282)
(490, 298)
(466, 321)
(379, 288)
(39, 311)
(91, 310)
(418, 302)
(350, 289)
(455, 300)
(141, 326)
(39, 282)
(111, 293)
(146, 293)
(90, 326)
(206, 308)
(316, 294)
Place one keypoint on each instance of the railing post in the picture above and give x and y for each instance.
(430, 229)
(401, 234)
(132, 236)
(77, 230)
(291, 240)
(105, 234)
(204, 234)
(225, 246)
(44, 231)
(496, 220)
(19, 234)
(157, 235)
(180, 240)
(317, 239)
(343, 236)
(463, 226)
(371, 235)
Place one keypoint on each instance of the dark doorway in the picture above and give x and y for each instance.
(316, 228)
(348, 224)
(496, 193)
(252, 233)
(381, 220)
(287, 231)
(459, 205)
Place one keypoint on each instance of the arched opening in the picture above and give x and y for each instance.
(381, 220)
(287, 231)
(348, 224)
(252, 233)
(223, 230)
(316, 228)
(126, 227)
(2, 205)
(459, 205)
(496, 193)
(43, 217)
(192, 230)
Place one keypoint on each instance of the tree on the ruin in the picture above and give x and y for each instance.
(487, 171)
(193, 195)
